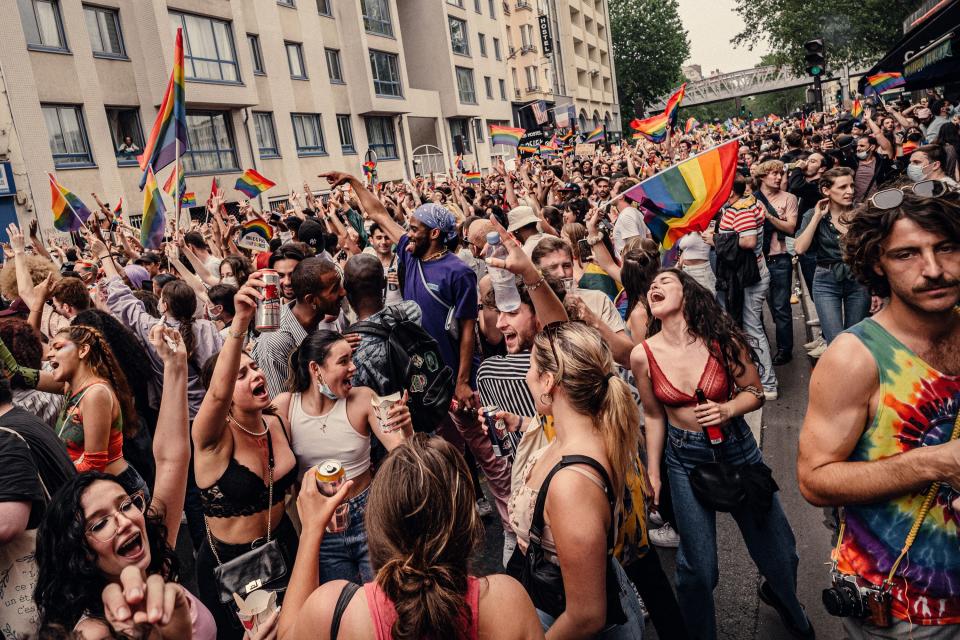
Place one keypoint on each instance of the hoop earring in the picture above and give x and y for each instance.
(546, 398)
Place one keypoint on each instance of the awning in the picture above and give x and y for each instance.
(928, 55)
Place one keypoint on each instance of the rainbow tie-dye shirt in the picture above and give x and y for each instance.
(918, 407)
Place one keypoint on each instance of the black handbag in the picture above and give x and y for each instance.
(263, 567)
(540, 577)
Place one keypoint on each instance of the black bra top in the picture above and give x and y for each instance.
(241, 492)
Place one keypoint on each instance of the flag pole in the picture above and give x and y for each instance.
(65, 198)
(693, 157)
(177, 167)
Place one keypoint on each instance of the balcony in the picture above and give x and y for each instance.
(533, 89)
(523, 4)
(528, 48)
(506, 8)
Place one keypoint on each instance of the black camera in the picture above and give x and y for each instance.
(853, 597)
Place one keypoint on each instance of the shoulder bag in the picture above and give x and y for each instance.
(263, 567)
(451, 325)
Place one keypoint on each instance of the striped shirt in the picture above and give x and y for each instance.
(273, 349)
(502, 382)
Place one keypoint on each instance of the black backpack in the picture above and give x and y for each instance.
(414, 364)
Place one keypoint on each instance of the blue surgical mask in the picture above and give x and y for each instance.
(915, 172)
(327, 391)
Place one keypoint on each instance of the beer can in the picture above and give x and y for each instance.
(390, 285)
(330, 475)
(268, 309)
(501, 446)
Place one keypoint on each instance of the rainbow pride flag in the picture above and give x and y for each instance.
(117, 210)
(856, 109)
(690, 125)
(188, 199)
(655, 128)
(69, 212)
(472, 177)
(176, 181)
(252, 184)
(509, 136)
(527, 148)
(596, 135)
(909, 147)
(566, 136)
(168, 138)
(685, 197)
(258, 226)
(881, 82)
(154, 214)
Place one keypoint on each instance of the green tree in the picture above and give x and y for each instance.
(856, 32)
(649, 45)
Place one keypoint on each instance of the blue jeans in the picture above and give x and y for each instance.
(632, 629)
(753, 297)
(781, 288)
(344, 555)
(840, 305)
(768, 537)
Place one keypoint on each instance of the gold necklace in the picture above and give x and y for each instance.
(436, 256)
(266, 429)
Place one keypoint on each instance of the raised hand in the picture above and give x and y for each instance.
(142, 601)
(16, 238)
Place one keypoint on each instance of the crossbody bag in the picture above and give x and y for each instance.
(451, 325)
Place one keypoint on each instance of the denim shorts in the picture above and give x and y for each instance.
(344, 555)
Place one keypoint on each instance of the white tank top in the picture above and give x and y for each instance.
(330, 436)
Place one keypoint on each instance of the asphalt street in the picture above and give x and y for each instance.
(740, 613)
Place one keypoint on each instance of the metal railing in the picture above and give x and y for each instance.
(523, 4)
(428, 159)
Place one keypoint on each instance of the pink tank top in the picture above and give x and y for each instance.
(384, 615)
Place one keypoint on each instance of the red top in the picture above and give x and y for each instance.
(384, 615)
(714, 381)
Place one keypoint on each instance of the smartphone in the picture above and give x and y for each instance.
(586, 251)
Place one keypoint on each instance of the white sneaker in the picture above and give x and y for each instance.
(664, 536)
(483, 508)
(813, 344)
(654, 518)
(819, 351)
(770, 394)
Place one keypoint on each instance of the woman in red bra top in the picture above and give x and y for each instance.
(700, 347)
(422, 528)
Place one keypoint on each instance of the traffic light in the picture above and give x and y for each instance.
(815, 57)
(743, 110)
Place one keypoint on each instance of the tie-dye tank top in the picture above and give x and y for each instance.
(918, 406)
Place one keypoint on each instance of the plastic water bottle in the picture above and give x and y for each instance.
(504, 283)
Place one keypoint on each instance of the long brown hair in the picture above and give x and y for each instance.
(422, 527)
(181, 304)
(101, 360)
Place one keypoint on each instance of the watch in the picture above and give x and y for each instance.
(592, 240)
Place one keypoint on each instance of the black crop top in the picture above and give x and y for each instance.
(241, 492)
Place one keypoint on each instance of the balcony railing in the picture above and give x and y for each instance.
(523, 4)
(528, 48)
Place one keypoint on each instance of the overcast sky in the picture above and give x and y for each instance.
(711, 24)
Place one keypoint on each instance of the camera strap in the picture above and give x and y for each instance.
(928, 498)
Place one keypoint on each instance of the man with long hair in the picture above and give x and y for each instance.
(879, 436)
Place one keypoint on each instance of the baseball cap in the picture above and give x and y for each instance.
(572, 187)
(311, 234)
(521, 216)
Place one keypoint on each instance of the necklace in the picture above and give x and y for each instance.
(435, 256)
(266, 429)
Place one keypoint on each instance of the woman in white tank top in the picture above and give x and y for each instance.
(330, 419)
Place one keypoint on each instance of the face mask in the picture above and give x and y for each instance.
(915, 172)
(212, 316)
(327, 391)
(230, 280)
(863, 155)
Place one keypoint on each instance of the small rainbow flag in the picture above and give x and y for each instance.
(214, 187)
(188, 199)
(258, 226)
(154, 214)
(596, 135)
(252, 183)
(568, 148)
(566, 136)
(176, 181)
(369, 167)
(509, 136)
(117, 210)
(856, 110)
(472, 177)
(69, 212)
(685, 197)
(884, 82)
(774, 118)
(655, 128)
(527, 148)
(690, 125)
(169, 133)
(909, 147)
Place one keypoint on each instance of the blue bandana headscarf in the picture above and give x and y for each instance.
(436, 216)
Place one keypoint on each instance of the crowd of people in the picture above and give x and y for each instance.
(525, 338)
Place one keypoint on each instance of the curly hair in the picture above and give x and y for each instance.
(69, 582)
(23, 342)
(39, 269)
(868, 228)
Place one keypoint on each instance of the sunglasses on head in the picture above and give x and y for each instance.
(893, 197)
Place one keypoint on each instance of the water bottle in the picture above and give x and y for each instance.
(504, 283)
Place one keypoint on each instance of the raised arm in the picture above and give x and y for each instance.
(370, 203)
(600, 252)
(654, 418)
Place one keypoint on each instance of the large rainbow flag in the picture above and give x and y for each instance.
(509, 136)
(686, 196)
(154, 214)
(252, 184)
(655, 128)
(883, 82)
(69, 212)
(168, 138)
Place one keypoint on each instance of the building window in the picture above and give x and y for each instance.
(345, 129)
(308, 133)
(333, 65)
(531, 73)
(210, 141)
(323, 8)
(503, 88)
(478, 129)
(42, 24)
(298, 70)
(376, 17)
(458, 36)
(526, 36)
(465, 90)
(68, 135)
(476, 6)
(493, 8)
(256, 54)
(103, 25)
(127, 134)
(458, 127)
(386, 73)
(496, 49)
(266, 134)
(286, 3)
(456, 3)
(482, 39)
(208, 48)
(381, 138)
(488, 87)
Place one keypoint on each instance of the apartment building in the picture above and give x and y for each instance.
(291, 88)
(574, 68)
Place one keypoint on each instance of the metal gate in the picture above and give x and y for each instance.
(428, 159)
